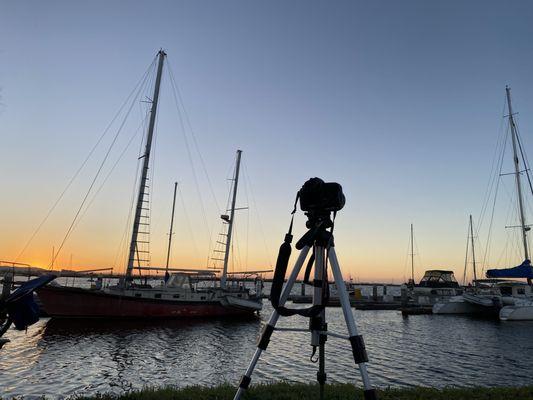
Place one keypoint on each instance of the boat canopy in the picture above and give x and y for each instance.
(437, 278)
(179, 280)
(524, 270)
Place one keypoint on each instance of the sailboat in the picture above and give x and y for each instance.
(179, 295)
(477, 298)
(522, 307)
(496, 296)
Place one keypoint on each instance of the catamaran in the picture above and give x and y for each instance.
(495, 296)
(183, 293)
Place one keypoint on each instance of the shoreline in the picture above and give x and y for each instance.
(337, 391)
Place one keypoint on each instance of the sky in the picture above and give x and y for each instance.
(400, 102)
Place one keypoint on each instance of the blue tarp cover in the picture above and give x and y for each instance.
(524, 270)
(27, 287)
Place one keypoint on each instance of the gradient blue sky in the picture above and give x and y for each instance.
(400, 102)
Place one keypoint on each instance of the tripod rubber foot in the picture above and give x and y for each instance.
(245, 382)
(370, 394)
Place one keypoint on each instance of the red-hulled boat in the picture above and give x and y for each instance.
(173, 299)
(181, 294)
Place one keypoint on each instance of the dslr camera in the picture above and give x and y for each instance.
(319, 198)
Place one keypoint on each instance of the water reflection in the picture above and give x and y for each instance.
(60, 358)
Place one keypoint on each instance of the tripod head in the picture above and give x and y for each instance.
(317, 233)
(318, 218)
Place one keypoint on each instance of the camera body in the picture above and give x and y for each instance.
(318, 197)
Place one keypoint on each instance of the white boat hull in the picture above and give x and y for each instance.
(486, 301)
(240, 303)
(456, 305)
(517, 313)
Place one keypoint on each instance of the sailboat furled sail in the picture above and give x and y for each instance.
(179, 295)
(524, 270)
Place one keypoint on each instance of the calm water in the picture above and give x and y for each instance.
(61, 359)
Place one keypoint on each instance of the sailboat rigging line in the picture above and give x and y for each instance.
(189, 154)
(497, 179)
(171, 230)
(526, 164)
(238, 243)
(247, 224)
(473, 248)
(257, 213)
(193, 135)
(139, 260)
(80, 168)
(122, 245)
(69, 230)
(512, 237)
(502, 138)
(102, 184)
(417, 251)
(466, 255)
(188, 222)
(406, 260)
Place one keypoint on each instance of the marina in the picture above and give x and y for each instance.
(266, 200)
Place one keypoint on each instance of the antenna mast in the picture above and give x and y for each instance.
(517, 174)
(144, 172)
(230, 221)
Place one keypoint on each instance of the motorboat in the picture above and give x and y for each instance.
(435, 286)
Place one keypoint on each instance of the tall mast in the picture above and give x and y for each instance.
(517, 174)
(171, 226)
(230, 221)
(144, 171)
(473, 251)
(412, 257)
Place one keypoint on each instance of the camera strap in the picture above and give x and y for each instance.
(282, 262)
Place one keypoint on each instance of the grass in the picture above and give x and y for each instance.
(296, 391)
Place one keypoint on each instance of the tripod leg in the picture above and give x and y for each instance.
(356, 340)
(269, 328)
(321, 374)
(318, 324)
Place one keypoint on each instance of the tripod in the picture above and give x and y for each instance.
(321, 241)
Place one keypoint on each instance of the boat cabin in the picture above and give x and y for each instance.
(437, 278)
(515, 289)
(507, 288)
(436, 286)
(179, 280)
